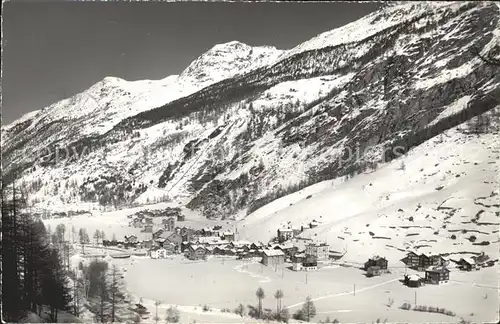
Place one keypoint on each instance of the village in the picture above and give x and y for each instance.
(287, 249)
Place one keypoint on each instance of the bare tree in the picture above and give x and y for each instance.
(157, 303)
(278, 295)
(260, 295)
(240, 310)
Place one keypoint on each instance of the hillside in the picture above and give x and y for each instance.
(242, 126)
(432, 200)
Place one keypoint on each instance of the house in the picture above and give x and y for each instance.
(254, 253)
(273, 257)
(229, 251)
(195, 252)
(481, 258)
(147, 244)
(207, 232)
(412, 260)
(187, 234)
(149, 220)
(298, 258)
(210, 240)
(430, 260)
(466, 264)
(158, 253)
(297, 266)
(216, 230)
(240, 244)
(437, 275)
(313, 224)
(157, 234)
(423, 261)
(137, 223)
(256, 246)
(176, 240)
(373, 271)
(148, 228)
(284, 234)
(228, 236)
(170, 247)
(319, 250)
(244, 248)
(218, 251)
(310, 263)
(296, 231)
(376, 261)
(130, 239)
(185, 246)
(168, 224)
(181, 218)
(287, 248)
(413, 281)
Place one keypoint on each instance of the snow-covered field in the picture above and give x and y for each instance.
(338, 292)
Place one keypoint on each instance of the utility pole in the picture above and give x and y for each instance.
(415, 298)
(156, 316)
(354, 291)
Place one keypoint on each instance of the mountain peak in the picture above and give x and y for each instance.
(227, 59)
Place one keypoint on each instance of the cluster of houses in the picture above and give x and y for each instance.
(145, 222)
(287, 233)
(436, 267)
(213, 241)
(195, 244)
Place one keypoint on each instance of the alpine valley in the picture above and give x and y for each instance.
(384, 133)
(242, 126)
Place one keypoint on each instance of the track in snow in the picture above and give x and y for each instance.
(346, 293)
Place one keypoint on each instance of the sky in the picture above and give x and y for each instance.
(53, 50)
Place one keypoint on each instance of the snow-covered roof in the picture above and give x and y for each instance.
(469, 260)
(269, 252)
(241, 243)
(317, 244)
(285, 230)
(287, 245)
(195, 246)
(414, 277)
(210, 239)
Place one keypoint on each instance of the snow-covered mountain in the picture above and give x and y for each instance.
(226, 60)
(242, 126)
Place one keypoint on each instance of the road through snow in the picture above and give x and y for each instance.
(346, 293)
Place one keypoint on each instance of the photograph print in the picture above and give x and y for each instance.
(250, 162)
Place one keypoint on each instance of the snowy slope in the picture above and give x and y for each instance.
(449, 185)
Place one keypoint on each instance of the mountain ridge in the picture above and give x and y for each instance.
(227, 146)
